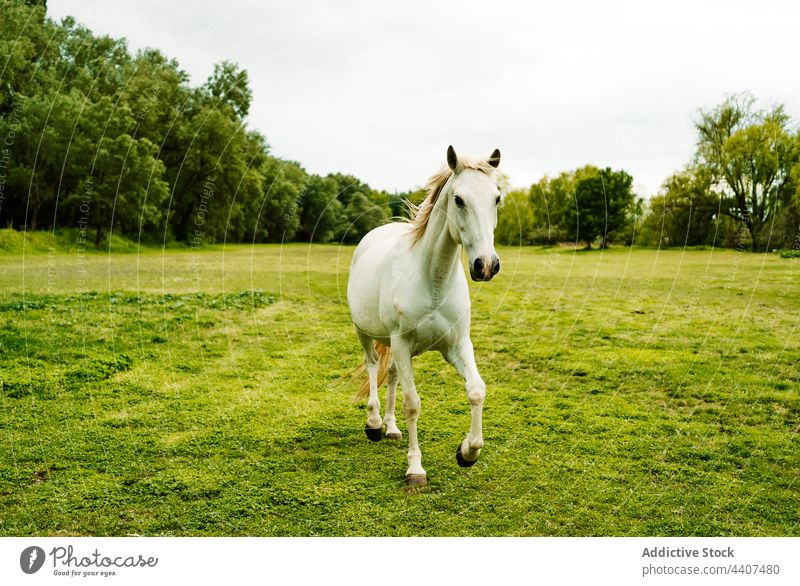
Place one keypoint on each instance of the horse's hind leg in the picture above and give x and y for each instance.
(392, 432)
(374, 428)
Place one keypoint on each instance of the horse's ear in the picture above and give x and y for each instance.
(494, 159)
(452, 159)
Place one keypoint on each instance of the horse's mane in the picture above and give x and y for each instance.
(421, 214)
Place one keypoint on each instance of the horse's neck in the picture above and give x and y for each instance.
(440, 254)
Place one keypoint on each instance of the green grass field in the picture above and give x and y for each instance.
(207, 393)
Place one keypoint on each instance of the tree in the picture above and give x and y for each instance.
(750, 155)
(604, 205)
(122, 179)
(552, 202)
(104, 139)
(515, 220)
(27, 51)
(94, 65)
(213, 166)
(283, 186)
(785, 230)
(321, 212)
(230, 86)
(548, 200)
(156, 92)
(127, 189)
(398, 203)
(362, 216)
(364, 208)
(685, 211)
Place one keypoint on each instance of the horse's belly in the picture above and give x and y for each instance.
(369, 271)
(364, 315)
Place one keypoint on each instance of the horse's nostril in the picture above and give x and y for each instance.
(478, 266)
(495, 266)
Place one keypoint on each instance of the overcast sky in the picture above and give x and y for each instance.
(379, 89)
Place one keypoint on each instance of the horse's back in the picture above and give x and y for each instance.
(380, 240)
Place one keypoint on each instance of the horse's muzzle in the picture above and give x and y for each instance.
(480, 271)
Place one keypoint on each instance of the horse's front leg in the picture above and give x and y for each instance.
(415, 475)
(463, 359)
(389, 420)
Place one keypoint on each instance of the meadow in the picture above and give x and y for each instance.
(208, 392)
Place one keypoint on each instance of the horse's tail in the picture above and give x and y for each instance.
(384, 359)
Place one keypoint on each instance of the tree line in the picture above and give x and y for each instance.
(96, 138)
(741, 189)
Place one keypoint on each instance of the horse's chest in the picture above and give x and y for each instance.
(429, 318)
(431, 331)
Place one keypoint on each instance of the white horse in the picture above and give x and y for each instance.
(408, 294)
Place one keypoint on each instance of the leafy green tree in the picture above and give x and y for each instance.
(279, 216)
(515, 220)
(40, 166)
(686, 209)
(94, 65)
(553, 204)
(156, 92)
(26, 51)
(364, 208)
(750, 155)
(321, 212)
(127, 190)
(362, 215)
(398, 203)
(107, 140)
(229, 86)
(604, 206)
(786, 228)
(549, 200)
(349, 186)
(122, 179)
(210, 158)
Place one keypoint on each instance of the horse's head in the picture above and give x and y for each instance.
(472, 212)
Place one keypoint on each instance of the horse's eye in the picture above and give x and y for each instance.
(459, 202)
(497, 201)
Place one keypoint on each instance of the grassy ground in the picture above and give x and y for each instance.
(206, 393)
(62, 240)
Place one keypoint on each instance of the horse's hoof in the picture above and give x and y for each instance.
(395, 435)
(416, 479)
(374, 434)
(460, 459)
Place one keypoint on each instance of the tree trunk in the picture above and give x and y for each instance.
(35, 212)
(588, 245)
(747, 220)
(181, 227)
(751, 229)
(754, 234)
(98, 236)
